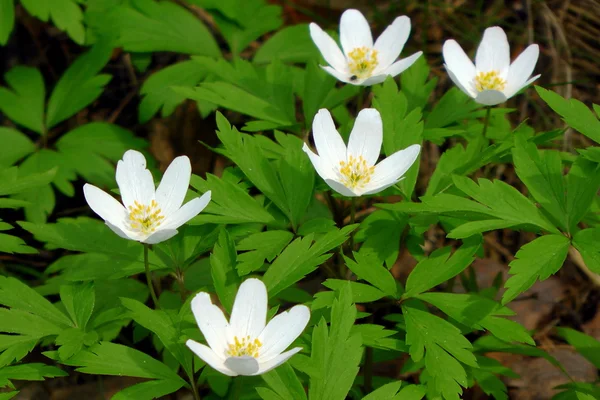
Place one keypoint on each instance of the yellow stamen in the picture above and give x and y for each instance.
(355, 172)
(244, 347)
(145, 219)
(489, 81)
(362, 61)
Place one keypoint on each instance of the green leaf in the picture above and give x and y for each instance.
(71, 342)
(29, 372)
(583, 182)
(317, 85)
(411, 392)
(378, 337)
(66, 15)
(585, 345)
(302, 257)
(113, 359)
(586, 241)
(336, 352)
(537, 260)
(79, 85)
(443, 347)
(440, 266)
(223, 262)
(148, 390)
(542, 174)
(573, 112)
(24, 104)
(150, 26)
(19, 145)
(361, 292)
(291, 44)
(452, 107)
(284, 382)
(7, 19)
(385, 392)
(12, 182)
(79, 300)
(260, 247)
(157, 91)
(8, 395)
(415, 86)
(369, 269)
(380, 233)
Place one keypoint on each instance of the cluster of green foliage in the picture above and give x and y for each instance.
(267, 217)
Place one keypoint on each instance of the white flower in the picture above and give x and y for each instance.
(363, 63)
(245, 346)
(352, 171)
(493, 79)
(149, 216)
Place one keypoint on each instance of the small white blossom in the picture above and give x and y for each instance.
(352, 171)
(362, 62)
(147, 215)
(492, 79)
(247, 345)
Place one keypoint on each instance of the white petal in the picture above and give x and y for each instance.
(521, 69)
(390, 170)
(340, 76)
(490, 97)
(212, 323)
(187, 212)
(282, 331)
(340, 188)
(366, 136)
(493, 53)
(328, 47)
(372, 80)
(134, 180)
(249, 313)
(328, 141)
(529, 82)
(277, 361)
(245, 365)
(468, 90)
(159, 236)
(106, 206)
(392, 40)
(354, 31)
(174, 185)
(124, 234)
(209, 357)
(461, 66)
(321, 166)
(401, 65)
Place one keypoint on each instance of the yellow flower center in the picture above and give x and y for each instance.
(244, 347)
(355, 172)
(362, 61)
(145, 219)
(489, 81)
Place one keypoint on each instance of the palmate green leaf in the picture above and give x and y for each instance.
(71, 342)
(401, 127)
(415, 85)
(23, 101)
(452, 107)
(79, 300)
(542, 174)
(284, 383)
(537, 260)
(336, 352)
(191, 241)
(150, 26)
(488, 343)
(440, 266)
(583, 183)
(157, 91)
(164, 327)
(573, 112)
(380, 233)
(223, 261)
(585, 345)
(19, 145)
(301, 257)
(578, 391)
(13, 244)
(260, 247)
(361, 292)
(369, 268)
(478, 312)
(13, 181)
(290, 44)
(7, 19)
(443, 347)
(113, 359)
(79, 85)
(230, 204)
(8, 395)
(29, 372)
(378, 337)
(385, 392)
(148, 390)
(586, 241)
(66, 15)
(317, 85)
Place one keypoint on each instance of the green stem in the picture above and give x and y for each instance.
(194, 387)
(181, 284)
(236, 389)
(352, 209)
(486, 121)
(149, 277)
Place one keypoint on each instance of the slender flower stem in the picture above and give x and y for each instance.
(352, 209)
(149, 277)
(194, 387)
(486, 121)
(236, 388)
